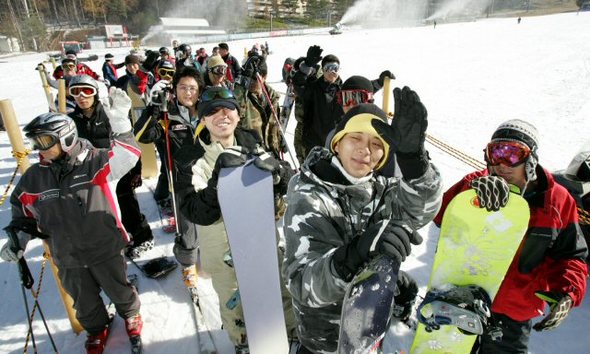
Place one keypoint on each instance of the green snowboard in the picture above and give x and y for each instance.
(475, 247)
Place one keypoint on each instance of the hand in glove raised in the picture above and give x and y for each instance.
(385, 237)
(117, 107)
(314, 55)
(232, 156)
(560, 306)
(492, 192)
(410, 121)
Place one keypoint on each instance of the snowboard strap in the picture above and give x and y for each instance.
(466, 307)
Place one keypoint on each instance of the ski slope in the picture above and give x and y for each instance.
(471, 77)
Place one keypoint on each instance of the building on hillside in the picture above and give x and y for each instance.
(184, 30)
(278, 8)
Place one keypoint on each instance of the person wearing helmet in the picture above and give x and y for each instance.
(165, 71)
(70, 62)
(93, 124)
(549, 266)
(76, 215)
(184, 57)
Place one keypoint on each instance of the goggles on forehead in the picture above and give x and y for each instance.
(84, 91)
(218, 70)
(210, 95)
(331, 67)
(43, 142)
(353, 97)
(507, 153)
(165, 72)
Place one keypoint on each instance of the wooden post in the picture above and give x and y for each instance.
(53, 63)
(61, 96)
(16, 140)
(386, 96)
(46, 88)
(14, 135)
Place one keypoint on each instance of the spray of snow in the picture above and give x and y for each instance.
(384, 13)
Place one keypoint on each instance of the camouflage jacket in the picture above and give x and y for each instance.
(256, 114)
(325, 211)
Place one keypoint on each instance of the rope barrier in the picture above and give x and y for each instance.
(19, 156)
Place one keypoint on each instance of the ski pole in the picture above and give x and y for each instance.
(276, 117)
(26, 281)
(169, 157)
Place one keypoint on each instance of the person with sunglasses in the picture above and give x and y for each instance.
(70, 63)
(93, 125)
(182, 121)
(341, 214)
(222, 143)
(256, 112)
(215, 72)
(549, 267)
(321, 110)
(67, 198)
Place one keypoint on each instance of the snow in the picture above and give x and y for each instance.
(471, 77)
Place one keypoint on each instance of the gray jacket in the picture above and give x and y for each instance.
(324, 212)
(73, 201)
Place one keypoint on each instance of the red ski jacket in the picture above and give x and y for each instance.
(550, 256)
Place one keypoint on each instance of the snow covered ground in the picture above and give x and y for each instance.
(471, 76)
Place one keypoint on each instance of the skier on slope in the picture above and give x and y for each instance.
(67, 199)
(340, 213)
(185, 89)
(549, 265)
(222, 144)
(93, 125)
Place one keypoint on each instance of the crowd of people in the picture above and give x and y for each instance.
(362, 186)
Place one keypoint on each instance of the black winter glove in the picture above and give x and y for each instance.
(405, 297)
(407, 133)
(560, 306)
(385, 237)
(492, 192)
(314, 55)
(382, 77)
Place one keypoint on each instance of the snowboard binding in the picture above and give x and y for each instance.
(466, 307)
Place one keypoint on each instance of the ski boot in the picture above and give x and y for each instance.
(189, 277)
(133, 326)
(95, 343)
(135, 252)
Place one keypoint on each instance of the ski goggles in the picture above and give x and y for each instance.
(43, 142)
(165, 72)
(69, 66)
(218, 70)
(353, 97)
(211, 94)
(508, 153)
(84, 91)
(331, 68)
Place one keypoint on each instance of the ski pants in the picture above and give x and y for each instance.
(515, 337)
(186, 246)
(131, 216)
(214, 247)
(84, 286)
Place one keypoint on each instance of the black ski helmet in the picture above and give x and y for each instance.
(163, 50)
(58, 126)
(185, 48)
